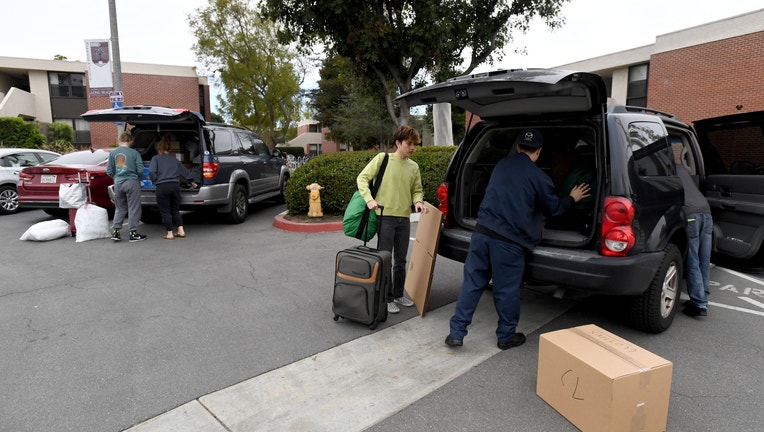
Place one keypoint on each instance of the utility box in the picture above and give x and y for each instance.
(600, 382)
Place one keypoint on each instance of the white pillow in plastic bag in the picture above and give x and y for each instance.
(91, 222)
(47, 230)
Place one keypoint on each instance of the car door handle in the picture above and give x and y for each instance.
(727, 205)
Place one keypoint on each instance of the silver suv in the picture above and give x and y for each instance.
(233, 167)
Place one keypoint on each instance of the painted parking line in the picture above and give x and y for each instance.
(355, 385)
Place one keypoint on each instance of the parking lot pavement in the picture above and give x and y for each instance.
(357, 384)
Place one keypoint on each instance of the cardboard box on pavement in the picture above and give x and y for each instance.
(601, 382)
(423, 253)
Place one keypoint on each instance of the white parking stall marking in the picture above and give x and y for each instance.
(752, 301)
(742, 275)
(747, 291)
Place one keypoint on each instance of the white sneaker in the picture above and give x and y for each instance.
(403, 301)
(392, 308)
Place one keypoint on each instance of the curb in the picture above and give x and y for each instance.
(313, 227)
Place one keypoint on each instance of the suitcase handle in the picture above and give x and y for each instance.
(379, 225)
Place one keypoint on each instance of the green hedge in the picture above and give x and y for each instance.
(15, 132)
(337, 173)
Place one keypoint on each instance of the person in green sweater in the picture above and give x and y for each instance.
(125, 166)
(401, 188)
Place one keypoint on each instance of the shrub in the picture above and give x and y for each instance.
(59, 146)
(60, 132)
(337, 173)
(15, 132)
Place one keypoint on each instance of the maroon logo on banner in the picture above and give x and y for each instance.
(99, 52)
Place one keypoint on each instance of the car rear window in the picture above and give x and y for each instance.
(83, 158)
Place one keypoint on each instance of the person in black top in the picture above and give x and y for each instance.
(697, 264)
(508, 227)
(164, 172)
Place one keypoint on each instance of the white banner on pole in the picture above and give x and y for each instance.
(99, 67)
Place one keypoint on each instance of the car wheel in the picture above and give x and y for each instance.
(654, 310)
(9, 199)
(282, 196)
(239, 205)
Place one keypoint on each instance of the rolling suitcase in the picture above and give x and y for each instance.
(361, 280)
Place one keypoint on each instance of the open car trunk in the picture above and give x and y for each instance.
(568, 158)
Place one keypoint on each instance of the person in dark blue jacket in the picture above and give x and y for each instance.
(165, 172)
(509, 226)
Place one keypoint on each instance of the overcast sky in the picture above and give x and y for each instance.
(157, 31)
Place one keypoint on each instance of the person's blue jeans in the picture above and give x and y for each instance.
(698, 262)
(487, 259)
(394, 234)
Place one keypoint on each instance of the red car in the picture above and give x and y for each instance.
(38, 186)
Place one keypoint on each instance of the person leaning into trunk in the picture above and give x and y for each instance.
(508, 228)
(700, 228)
(125, 166)
(401, 188)
(165, 171)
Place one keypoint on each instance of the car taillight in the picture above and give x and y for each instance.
(617, 234)
(442, 194)
(25, 176)
(210, 169)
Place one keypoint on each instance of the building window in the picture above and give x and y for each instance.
(315, 149)
(315, 128)
(67, 85)
(636, 94)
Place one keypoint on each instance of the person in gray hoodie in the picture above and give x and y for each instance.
(125, 167)
(165, 172)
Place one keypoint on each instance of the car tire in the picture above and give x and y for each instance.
(239, 205)
(281, 199)
(9, 199)
(654, 310)
(58, 213)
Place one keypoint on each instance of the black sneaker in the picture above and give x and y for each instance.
(135, 237)
(115, 235)
(453, 342)
(516, 340)
(691, 310)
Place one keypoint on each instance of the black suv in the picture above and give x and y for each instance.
(232, 166)
(631, 238)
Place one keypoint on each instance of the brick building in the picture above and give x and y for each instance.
(705, 71)
(56, 91)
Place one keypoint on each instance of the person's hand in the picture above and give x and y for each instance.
(580, 192)
(372, 205)
(419, 206)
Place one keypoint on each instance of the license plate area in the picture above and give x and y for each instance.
(48, 178)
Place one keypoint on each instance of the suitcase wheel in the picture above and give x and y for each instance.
(373, 326)
(336, 317)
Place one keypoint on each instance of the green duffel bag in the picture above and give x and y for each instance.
(359, 222)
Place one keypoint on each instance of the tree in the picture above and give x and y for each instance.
(351, 105)
(261, 77)
(400, 41)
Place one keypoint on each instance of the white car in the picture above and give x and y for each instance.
(12, 160)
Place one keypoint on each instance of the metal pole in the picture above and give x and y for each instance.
(115, 52)
(115, 45)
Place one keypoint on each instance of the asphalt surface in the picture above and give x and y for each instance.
(108, 337)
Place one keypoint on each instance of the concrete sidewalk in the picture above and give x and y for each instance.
(355, 385)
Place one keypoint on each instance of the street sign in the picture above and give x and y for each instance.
(116, 104)
(116, 96)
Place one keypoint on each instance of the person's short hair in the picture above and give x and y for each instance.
(403, 133)
(125, 137)
(164, 145)
(530, 139)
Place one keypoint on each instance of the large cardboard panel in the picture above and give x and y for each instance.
(601, 382)
(422, 260)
